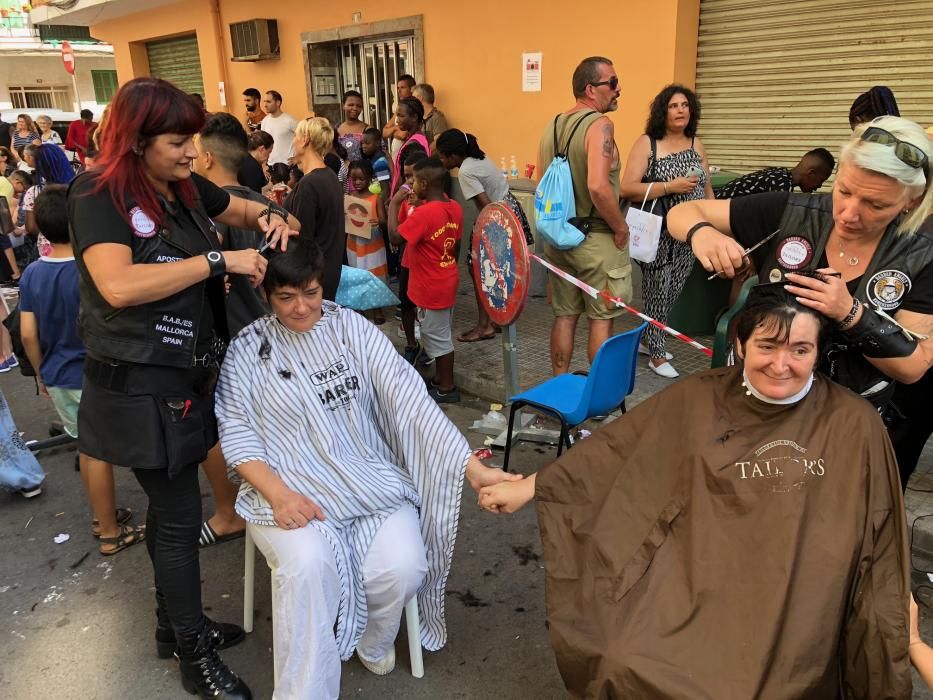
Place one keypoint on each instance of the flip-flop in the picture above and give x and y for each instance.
(129, 535)
(124, 515)
(209, 537)
(464, 337)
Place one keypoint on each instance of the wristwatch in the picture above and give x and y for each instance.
(216, 260)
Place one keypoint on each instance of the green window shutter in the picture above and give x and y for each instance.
(178, 61)
(105, 85)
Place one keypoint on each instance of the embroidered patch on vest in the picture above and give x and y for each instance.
(887, 288)
(775, 275)
(143, 226)
(794, 252)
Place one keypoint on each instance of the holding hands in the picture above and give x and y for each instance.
(507, 496)
(499, 491)
(481, 476)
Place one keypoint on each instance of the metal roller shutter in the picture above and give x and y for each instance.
(777, 79)
(177, 60)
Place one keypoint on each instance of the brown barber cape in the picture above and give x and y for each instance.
(709, 545)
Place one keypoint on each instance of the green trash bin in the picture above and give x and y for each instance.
(702, 300)
(700, 303)
(722, 177)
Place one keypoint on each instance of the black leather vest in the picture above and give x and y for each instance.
(887, 282)
(162, 332)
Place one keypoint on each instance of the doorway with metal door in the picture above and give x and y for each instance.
(372, 67)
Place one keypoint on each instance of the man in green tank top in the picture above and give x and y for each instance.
(602, 260)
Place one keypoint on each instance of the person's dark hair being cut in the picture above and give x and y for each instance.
(773, 308)
(300, 265)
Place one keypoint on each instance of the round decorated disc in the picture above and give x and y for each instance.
(501, 267)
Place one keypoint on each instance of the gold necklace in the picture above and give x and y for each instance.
(851, 260)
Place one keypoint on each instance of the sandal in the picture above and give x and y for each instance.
(209, 537)
(129, 535)
(473, 335)
(124, 515)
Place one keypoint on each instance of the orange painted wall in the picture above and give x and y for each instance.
(472, 55)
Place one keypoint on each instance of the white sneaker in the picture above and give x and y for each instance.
(380, 668)
(642, 350)
(665, 369)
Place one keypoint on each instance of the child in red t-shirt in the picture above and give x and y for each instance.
(432, 236)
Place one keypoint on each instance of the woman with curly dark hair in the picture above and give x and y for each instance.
(667, 161)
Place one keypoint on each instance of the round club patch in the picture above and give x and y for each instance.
(887, 288)
(143, 226)
(775, 275)
(794, 252)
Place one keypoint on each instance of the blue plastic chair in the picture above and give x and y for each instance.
(572, 398)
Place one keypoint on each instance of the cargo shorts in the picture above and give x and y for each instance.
(598, 262)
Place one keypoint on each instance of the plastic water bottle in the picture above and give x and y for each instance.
(513, 169)
(505, 171)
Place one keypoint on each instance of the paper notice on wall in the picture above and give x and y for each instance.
(531, 72)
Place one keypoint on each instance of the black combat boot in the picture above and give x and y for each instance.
(203, 672)
(166, 645)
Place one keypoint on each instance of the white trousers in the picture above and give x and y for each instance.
(308, 592)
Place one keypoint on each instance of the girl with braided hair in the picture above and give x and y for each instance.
(877, 102)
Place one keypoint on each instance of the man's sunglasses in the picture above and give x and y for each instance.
(907, 153)
(613, 83)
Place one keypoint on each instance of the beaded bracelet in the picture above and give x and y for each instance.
(847, 321)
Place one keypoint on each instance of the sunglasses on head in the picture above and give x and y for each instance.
(907, 153)
(613, 83)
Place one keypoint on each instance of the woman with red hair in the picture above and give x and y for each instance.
(153, 320)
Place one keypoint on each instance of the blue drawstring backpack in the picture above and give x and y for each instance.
(555, 202)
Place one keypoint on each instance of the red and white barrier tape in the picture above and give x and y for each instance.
(593, 292)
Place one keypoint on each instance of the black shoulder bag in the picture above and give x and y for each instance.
(662, 205)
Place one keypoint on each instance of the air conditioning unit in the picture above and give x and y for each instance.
(255, 40)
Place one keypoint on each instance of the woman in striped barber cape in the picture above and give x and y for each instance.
(353, 478)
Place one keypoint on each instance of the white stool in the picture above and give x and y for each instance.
(412, 620)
